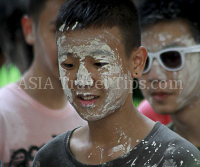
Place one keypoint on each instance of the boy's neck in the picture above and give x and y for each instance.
(110, 137)
(47, 90)
(186, 122)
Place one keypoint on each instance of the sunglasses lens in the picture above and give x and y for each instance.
(146, 65)
(171, 59)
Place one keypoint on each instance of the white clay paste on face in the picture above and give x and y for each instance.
(83, 76)
(157, 69)
(110, 73)
(189, 75)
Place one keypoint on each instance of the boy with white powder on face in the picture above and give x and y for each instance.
(171, 33)
(99, 55)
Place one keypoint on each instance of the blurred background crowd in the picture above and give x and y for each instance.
(15, 54)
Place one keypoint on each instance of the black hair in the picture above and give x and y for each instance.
(23, 163)
(103, 14)
(154, 11)
(35, 8)
(33, 148)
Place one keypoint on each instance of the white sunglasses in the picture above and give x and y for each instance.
(171, 59)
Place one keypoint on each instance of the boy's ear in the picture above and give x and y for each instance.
(138, 59)
(27, 26)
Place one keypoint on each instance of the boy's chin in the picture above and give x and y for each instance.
(94, 116)
(165, 109)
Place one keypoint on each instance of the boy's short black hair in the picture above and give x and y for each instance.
(35, 8)
(103, 14)
(154, 11)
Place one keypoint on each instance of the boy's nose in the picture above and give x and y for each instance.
(83, 77)
(157, 72)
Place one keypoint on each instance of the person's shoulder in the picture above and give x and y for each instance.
(8, 91)
(52, 151)
(7, 88)
(170, 149)
(168, 135)
(8, 96)
(177, 146)
(54, 144)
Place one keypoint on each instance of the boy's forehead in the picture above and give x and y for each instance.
(167, 33)
(94, 48)
(94, 42)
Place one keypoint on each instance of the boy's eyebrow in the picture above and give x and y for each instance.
(65, 53)
(96, 52)
(172, 45)
(101, 52)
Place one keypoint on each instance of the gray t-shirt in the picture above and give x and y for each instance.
(160, 148)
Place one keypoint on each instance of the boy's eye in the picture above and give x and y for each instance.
(100, 64)
(65, 65)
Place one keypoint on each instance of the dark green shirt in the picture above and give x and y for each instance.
(161, 148)
(171, 126)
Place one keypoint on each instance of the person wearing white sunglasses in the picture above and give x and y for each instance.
(171, 78)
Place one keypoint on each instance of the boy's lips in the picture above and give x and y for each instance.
(87, 100)
(160, 96)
